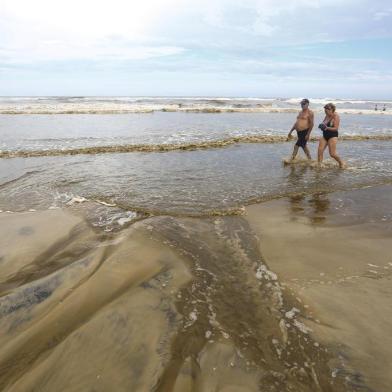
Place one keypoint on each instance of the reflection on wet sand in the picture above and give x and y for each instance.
(321, 204)
(315, 206)
(168, 304)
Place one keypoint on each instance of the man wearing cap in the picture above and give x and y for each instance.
(303, 125)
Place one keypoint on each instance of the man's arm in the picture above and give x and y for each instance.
(311, 124)
(292, 129)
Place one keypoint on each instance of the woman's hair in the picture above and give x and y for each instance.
(330, 105)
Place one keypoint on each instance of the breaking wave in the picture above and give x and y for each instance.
(211, 144)
(124, 109)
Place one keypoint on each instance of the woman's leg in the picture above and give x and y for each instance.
(332, 150)
(322, 146)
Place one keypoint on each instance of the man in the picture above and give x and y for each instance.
(303, 126)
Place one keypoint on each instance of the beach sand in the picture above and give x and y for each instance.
(339, 265)
(294, 296)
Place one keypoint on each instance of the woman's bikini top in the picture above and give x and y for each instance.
(329, 124)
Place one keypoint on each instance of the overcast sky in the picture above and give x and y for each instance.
(255, 48)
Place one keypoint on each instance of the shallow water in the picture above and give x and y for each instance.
(214, 181)
(65, 132)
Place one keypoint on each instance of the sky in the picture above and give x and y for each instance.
(247, 48)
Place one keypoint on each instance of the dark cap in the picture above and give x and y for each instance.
(305, 100)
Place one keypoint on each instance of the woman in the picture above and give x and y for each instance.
(330, 127)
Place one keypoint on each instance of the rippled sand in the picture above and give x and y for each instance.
(194, 304)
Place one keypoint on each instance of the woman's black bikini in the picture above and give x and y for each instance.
(330, 134)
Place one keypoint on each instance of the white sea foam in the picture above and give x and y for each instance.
(130, 216)
(192, 318)
(291, 313)
(264, 272)
(302, 327)
(76, 199)
(104, 203)
(26, 105)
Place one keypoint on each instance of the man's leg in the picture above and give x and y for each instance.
(295, 152)
(307, 152)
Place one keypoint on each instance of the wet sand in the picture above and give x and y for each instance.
(89, 312)
(231, 303)
(337, 261)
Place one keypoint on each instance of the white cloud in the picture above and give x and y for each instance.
(382, 14)
(49, 29)
(48, 51)
(45, 30)
(87, 18)
(238, 39)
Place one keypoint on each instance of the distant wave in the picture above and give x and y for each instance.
(203, 145)
(151, 108)
(118, 105)
(129, 109)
